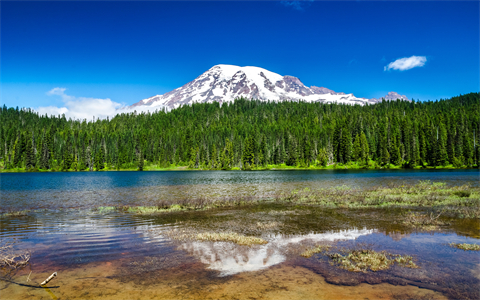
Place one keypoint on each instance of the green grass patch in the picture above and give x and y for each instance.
(466, 247)
(457, 201)
(233, 237)
(15, 214)
(319, 249)
(363, 260)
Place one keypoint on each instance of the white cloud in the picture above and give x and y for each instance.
(406, 63)
(297, 4)
(87, 108)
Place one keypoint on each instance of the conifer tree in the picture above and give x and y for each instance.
(67, 156)
(192, 163)
(262, 152)
(346, 149)
(442, 156)
(396, 155)
(292, 159)
(75, 163)
(227, 155)
(307, 150)
(322, 157)
(17, 153)
(29, 156)
(100, 158)
(248, 158)
(364, 149)
(214, 158)
(357, 149)
(140, 161)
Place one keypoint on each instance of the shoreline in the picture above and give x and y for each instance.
(273, 168)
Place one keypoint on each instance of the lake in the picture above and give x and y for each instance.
(107, 254)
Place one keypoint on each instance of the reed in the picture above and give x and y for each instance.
(459, 201)
(192, 234)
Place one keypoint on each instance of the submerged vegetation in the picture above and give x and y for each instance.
(15, 213)
(233, 237)
(319, 249)
(362, 260)
(426, 222)
(10, 259)
(445, 201)
(466, 247)
(249, 135)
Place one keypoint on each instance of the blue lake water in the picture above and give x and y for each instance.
(89, 189)
(121, 250)
(75, 181)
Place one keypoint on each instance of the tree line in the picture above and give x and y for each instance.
(249, 134)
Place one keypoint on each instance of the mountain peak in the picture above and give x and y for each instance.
(390, 96)
(225, 83)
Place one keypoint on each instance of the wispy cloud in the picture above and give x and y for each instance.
(87, 108)
(297, 4)
(406, 63)
(353, 62)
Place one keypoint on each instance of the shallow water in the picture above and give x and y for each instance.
(87, 189)
(123, 256)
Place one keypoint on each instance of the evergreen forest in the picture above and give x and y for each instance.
(249, 134)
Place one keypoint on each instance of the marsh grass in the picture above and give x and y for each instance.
(191, 234)
(15, 214)
(268, 225)
(230, 237)
(459, 201)
(427, 222)
(466, 247)
(319, 249)
(362, 260)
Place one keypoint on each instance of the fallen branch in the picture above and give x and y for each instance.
(49, 278)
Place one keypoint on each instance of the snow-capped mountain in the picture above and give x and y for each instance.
(390, 96)
(225, 83)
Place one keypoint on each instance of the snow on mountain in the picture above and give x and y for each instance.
(225, 83)
(391, 96)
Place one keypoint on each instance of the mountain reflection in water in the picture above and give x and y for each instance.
(230, 259)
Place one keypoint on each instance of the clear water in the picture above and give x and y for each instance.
(123, 256)
(88, 189)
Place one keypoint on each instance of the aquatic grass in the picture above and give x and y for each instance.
(363, 260)
(230, 237)
(268, 225)
(465, 246)
(15, 214)
(426, 222)
(105, 209)
(148, 210)
(459, 201)
(191, 234)
(319, 249)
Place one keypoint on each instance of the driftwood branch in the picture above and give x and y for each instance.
(12, 259)
(49, 278)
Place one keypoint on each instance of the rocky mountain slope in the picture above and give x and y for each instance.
(225, 83)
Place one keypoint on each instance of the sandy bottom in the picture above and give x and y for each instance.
(113, 280)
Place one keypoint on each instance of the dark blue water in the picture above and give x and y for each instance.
(81, 181)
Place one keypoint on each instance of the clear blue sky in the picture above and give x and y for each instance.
(130, 51)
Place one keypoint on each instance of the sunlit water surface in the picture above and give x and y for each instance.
(123, 256)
